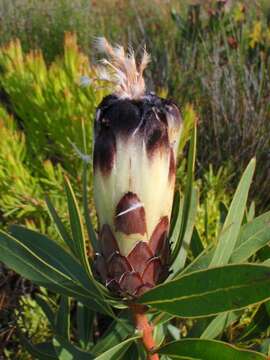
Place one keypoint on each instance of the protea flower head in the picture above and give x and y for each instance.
(135, 146)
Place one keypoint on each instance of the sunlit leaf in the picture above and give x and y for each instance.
(207, 350)
(212, 291)
(232, 224)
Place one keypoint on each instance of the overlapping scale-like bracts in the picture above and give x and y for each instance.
(134, 176)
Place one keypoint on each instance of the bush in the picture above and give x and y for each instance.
(214, 56)
(48, 113)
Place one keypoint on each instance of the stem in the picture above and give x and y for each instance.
(142, 324)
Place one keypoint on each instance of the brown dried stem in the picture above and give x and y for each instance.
(142, 324)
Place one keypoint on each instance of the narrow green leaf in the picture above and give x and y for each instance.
(34, 267)
(30, 264)
(266, 262)
(90, 229)
(58, 223)
(199, 326)
(42, 351)
(201, 262)
(253, 236)
(232, 224)
(133, 354)
(217, 325)
(85, 323)
(79, 242)
(62, 322)
(116, 352)
(212, 291)
(180, 259)
(175, 211)
(196, 244)
(251, 212)
(200, 349)
(54, 256)
(174, 332)
(223, 210)
(206, 220)
(189, 115)
(176, 228)
(159, 334)
(161, 318)
(188, 193)
(259, 323)
(116, 332)
(65, 350)
(49, 251)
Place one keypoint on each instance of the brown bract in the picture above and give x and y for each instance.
(138, 272)
(130, 222)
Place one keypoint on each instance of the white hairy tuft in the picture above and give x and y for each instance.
(121, 70)
(131, 208)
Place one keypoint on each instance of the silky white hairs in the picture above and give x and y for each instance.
(121, 70)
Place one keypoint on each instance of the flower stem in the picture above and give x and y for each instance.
(142, 325)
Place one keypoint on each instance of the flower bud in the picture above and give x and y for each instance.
(135, 147)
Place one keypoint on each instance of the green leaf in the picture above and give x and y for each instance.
(85, 323)
(175, 212)
(116, 332)
(116, 352)
(180, 259)
(189, 115)
(62, 322)
(201, 262)
(161, 318)
(196, 244)
(79, 242)
(159, 333)
(133, 354)
(45, 263)
(58, 223)
(90, 229)
(251, 212)
(259, 323)
(218, 325)
(176, 228)
(174, 332)
(65, 350)
(232, 224)
(42, 351)
(253, 236)
(223, 211)
(55, 256)
(200, 349)
(212, 291)
(188, 196)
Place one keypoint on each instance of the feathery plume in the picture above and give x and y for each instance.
(122, 70)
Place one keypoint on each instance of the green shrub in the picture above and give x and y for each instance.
(49, 102)
(22, 190)
(212, 56)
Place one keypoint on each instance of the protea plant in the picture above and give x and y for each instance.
(135, 149)
(136, 139)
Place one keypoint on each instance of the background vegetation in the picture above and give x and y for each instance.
(212, 59)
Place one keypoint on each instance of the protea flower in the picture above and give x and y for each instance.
(136, 140)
